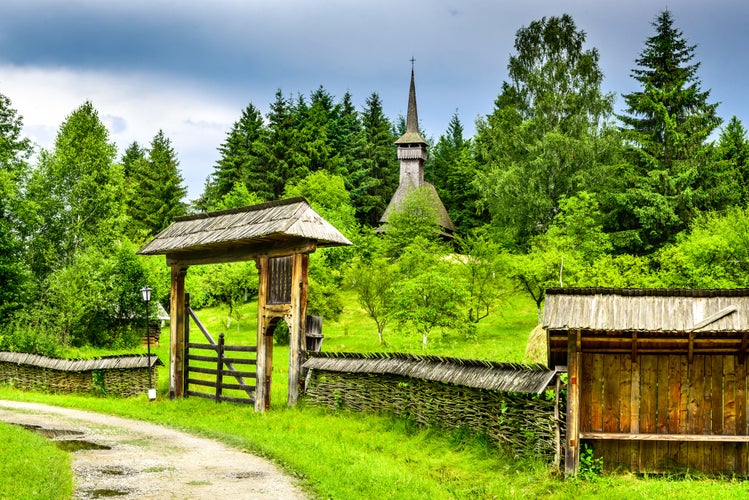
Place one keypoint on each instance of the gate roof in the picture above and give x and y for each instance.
(277, 227)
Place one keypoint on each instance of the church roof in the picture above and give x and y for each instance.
(405, 188)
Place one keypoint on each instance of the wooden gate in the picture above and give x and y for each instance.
(214, 369)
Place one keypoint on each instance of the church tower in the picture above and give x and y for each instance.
(412, 153)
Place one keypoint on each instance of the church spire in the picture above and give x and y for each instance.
(412, 135)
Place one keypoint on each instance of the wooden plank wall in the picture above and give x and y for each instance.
(664, 394)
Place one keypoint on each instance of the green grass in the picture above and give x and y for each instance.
(31, 466)
(345, 455)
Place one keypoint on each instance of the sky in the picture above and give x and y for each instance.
(189, 68)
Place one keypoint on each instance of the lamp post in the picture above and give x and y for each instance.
(146, 293)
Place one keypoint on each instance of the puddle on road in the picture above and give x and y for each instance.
(73, 445)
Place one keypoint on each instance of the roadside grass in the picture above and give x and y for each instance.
(31, 466)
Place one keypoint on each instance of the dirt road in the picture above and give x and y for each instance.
(139, 460)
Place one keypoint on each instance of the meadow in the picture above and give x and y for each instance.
(345, 455)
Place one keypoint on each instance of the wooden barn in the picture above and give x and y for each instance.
(657, 378)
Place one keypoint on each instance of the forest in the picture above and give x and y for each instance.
(555, 188)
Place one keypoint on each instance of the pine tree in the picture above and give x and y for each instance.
(348, 141)
(159, 189)
(242, 161)
(733, 148)
(452, 168)
(667, 124)
(373, 189)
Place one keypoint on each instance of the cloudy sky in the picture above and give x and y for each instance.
(190, 67)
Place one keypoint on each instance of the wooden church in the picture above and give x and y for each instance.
(412, 153)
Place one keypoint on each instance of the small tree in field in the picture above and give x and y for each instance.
(373, 284)
(429, 293)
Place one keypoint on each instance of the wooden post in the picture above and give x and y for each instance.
(572, 452)
(264, 363)
(298, 326)
(177, 332)
(219, 366)
(186, 384)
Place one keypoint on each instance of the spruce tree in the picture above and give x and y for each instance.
(159, 192)
(380, 171)
(667, 124)
(241, 162)
(733, 148)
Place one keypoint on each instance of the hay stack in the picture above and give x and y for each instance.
(535, 350)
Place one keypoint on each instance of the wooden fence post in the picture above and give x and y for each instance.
(220, 366)
(187, 346)
(572, 451)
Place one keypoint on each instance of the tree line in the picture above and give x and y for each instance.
(554, 188)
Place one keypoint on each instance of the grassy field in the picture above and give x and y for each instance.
(351, 456)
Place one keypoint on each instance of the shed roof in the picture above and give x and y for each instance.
(505, 377)
(80, 365)
(647, 310)
(275, 223)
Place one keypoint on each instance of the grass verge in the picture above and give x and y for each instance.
(31, 466)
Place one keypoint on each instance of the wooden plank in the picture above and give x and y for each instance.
(587, 386)
(238, 254)
(264, 361)
(648, 382)
(742, 426)
(611, 396)
(635, 416)
(596, 393)
(297, 328)
(717, 414)
(696, 424)
(625, 393)
(674, 394)
(662, 394)
(708, 462)
(729, 410)
(663, 437)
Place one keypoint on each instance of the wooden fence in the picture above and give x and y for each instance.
(661, 413)
(212, 370)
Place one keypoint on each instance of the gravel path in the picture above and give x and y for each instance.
(142, 460)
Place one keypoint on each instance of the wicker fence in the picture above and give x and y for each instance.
(122, 376)
(520, 422)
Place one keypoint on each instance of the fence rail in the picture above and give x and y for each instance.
(209, 371)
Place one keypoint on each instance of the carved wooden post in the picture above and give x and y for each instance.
(297, 328)
(264, 362)
(177, 332)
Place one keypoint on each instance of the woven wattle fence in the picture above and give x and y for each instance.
(122, 376)
(507, 402)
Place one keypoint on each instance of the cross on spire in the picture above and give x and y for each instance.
(412, 63)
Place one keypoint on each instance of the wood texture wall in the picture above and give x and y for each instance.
(677, 401)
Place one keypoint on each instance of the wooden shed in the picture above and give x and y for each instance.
(278, 236)
(657, 377)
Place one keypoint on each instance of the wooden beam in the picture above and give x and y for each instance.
(634, 346)
(239, 253)
(713, 438)
(572, 451)
(177, 332)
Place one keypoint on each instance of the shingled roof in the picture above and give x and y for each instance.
(647, 310)
(267, 225)
(505, 377)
